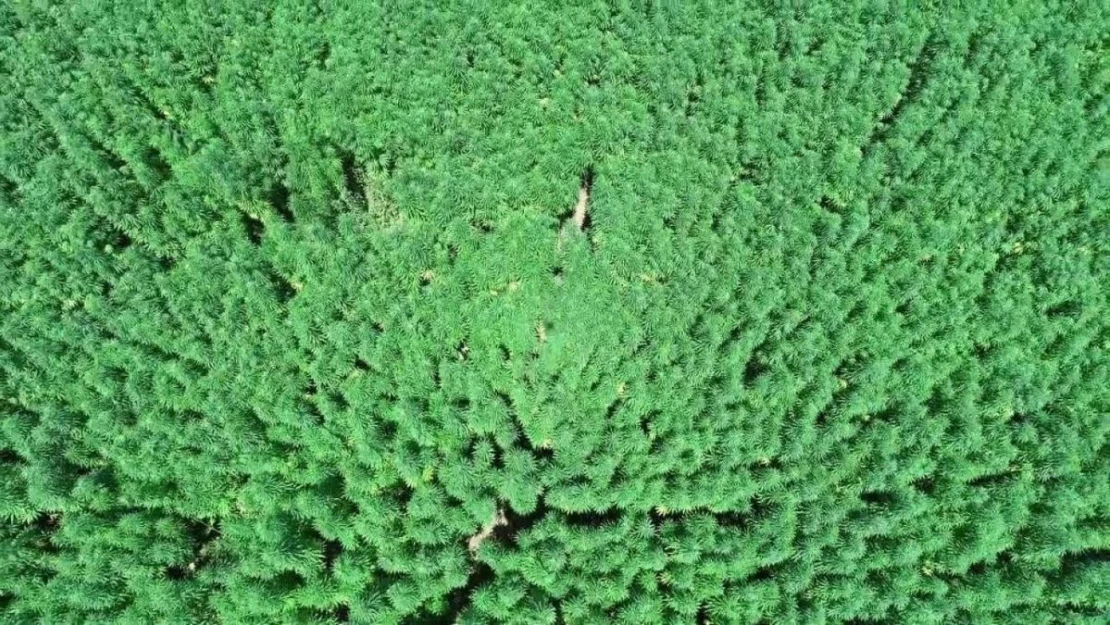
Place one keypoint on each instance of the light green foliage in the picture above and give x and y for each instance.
(292, 306)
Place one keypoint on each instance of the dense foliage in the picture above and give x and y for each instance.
(297, 324)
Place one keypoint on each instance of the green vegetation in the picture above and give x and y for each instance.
(633, 312)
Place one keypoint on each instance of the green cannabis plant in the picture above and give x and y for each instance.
(632, 311)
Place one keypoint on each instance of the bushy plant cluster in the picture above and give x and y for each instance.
(587, 312)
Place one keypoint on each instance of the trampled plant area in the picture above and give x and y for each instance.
(615, 312)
